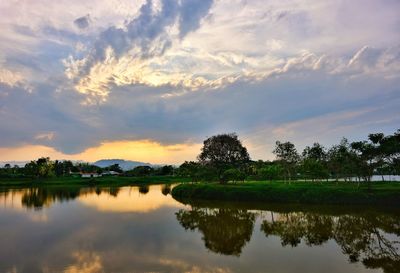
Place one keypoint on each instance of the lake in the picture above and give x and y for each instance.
(143, 229)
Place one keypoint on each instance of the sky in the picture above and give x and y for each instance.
(150, 80)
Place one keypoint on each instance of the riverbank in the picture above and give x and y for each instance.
(381, 193)
(112, 181)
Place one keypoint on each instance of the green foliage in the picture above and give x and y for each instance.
(222, 152)
(165, 170)
(114, 168)
(234, 175)
(198, 172)
(271, 172)
(86, 168)
(8, 171)
(141, 171)
(341, 161)
(43, 167)
(298, 192)
(287, 155)
(314, 164)
(223, 158)
(188, 169)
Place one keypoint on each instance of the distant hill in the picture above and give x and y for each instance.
(124, 164)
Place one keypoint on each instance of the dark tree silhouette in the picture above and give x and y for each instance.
(286, 153)
(314, 164)
(223, 152)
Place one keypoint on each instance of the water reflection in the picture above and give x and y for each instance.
(133, 199)
(98, 229)
(144, 189)
(370, 238)
(37, 198)
(367, 238)
(166, 189)
(225, 231)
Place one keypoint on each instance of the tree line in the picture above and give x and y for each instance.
(223, 158)
(44, 167)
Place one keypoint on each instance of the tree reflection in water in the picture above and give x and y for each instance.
(166, 189)
(144, 189)
(40, 197)
(365, 238)
(225, 231)
(371, 238)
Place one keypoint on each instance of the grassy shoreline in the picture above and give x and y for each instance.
(98, 181)
(381, 193)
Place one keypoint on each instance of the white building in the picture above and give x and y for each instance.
(110, 173)
(90, 175)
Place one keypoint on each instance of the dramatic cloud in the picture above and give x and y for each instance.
(171, 73)
(147, 35)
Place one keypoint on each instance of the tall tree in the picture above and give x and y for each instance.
(389, 147)
(313, 163)
(116, 168)
(287, 154)
(43, 167)
(342, 162)
(223, 152)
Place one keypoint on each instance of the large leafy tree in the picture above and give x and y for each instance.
(142, 171)
(287, 155)
(342, 161)
(223, 152)
(270, 172)
(314, 162)
(366, 154)
(43, 167)
(389, 151)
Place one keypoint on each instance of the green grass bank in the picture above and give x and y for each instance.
(381, 193)
(111, 181)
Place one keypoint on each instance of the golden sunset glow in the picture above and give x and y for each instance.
(130, 200)
(145, 150)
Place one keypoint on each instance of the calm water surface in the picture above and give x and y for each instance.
(143, 229)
